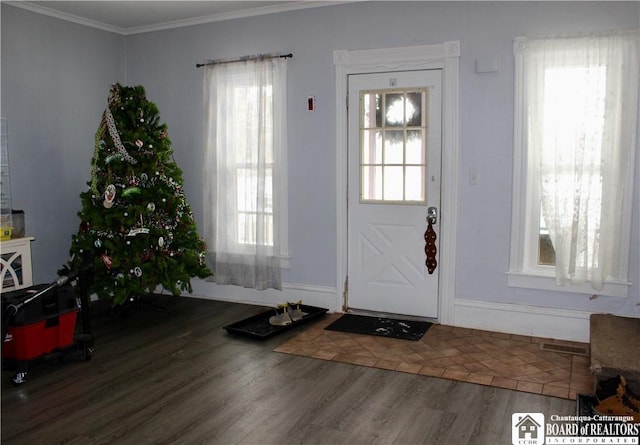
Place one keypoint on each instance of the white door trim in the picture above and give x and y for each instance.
(447, 57)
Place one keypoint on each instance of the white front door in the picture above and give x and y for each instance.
(393, 180)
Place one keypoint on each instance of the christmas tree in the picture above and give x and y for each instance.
(136, 226)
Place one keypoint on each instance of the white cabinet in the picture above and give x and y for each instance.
(15, 264)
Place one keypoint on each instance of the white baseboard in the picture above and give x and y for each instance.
(559, 324)
(312, 295)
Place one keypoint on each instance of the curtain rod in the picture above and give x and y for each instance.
(245, 58)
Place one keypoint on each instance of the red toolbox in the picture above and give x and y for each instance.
(39, 328)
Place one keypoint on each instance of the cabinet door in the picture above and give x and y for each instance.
(15, 264)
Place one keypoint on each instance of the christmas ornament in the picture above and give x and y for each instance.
(139, 143)
(107, 260)
(97, 243)
(131, 191)
(161, 242)
(137, 272)
(151, 207)
(138, 231)
(109, 196)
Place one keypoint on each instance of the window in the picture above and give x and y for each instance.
(576, 114)
(246, 171)
(393, 148)
(253, 215)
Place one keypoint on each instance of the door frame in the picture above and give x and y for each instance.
(447, 57)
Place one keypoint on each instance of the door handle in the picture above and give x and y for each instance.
(432, 215)
(430, 237)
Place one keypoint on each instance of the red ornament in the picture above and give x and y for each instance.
(146, 255)
(107, 260)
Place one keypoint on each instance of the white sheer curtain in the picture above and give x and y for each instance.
(582, 95)
(245, 104)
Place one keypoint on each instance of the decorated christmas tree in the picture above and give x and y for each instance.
(136, 226)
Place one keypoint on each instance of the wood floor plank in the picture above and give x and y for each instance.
(179, 378)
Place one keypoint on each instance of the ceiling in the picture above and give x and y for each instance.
(134, 16)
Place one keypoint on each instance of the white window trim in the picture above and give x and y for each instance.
(521, 273)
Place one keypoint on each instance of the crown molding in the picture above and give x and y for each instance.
(303, 4)
(232, 16)
(39, 9)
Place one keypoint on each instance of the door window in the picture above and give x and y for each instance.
(393, 133)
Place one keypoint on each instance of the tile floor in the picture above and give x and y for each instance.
(488, 358)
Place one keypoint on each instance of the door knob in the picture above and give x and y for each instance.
(432, 215)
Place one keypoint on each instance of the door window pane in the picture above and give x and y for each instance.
(372, 147)
(393, 147)
(414, 185)
(413, 109)
(372, 183)
(394, 109)
(371, 110)
(392, 183)
(415, 146)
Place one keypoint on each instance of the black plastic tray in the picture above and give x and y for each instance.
(258, 325)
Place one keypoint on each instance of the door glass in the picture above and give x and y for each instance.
(393, 146)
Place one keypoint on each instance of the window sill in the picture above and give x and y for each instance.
(545, 282)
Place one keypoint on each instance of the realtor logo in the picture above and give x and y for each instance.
(527, 428)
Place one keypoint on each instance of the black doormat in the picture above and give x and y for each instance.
(382, 327)
(258, 326)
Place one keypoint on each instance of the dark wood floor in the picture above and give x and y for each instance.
(179, 378)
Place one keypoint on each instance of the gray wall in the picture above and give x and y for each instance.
(164, 62)
(55, 80)
(485, 30)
